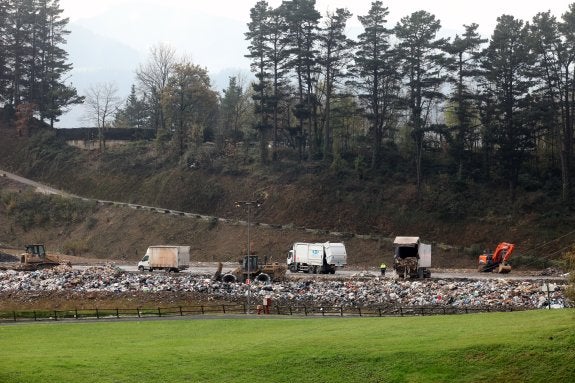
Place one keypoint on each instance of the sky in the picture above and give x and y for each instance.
(140, 33)
(452, 13)
(211, 32)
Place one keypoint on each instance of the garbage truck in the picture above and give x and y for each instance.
(323, 258)
(411, 259)
(166, 257)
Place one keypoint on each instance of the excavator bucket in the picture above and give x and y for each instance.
(503, 269)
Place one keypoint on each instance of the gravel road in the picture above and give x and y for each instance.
(208, 268)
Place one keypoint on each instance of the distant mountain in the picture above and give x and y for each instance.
(97, 59)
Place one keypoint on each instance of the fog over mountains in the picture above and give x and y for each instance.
(110, 47)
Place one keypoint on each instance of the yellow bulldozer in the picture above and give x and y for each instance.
(36, 258)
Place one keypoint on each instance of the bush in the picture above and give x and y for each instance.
(33, 210)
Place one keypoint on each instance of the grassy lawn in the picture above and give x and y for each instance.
(532, 346)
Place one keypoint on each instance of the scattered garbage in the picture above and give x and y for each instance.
(356, 291)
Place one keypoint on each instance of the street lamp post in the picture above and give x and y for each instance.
(249, 205)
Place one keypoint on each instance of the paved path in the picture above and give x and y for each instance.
(41, 188)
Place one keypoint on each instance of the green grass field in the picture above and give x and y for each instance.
(530, 346)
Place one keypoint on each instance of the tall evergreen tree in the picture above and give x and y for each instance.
(19, 32)
(551, 65)
(424, 70)
(51, 93)
(465, 51)
(507, 64)
(5, 10)
(278, 55)
(376, 77)
(33, 62)
(335, 56)
(258, 35)
(134, 114)
(234, 109)
(303, 20)
(567, 29)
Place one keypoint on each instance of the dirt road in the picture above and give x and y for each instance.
(209, 268)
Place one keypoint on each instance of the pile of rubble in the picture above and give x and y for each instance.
(352, 292)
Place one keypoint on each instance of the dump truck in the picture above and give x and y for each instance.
(323, 258)
(498, 261)
(166, 257)
(411, 259)
(253, 268)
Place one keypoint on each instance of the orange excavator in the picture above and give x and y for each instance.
(498, 261)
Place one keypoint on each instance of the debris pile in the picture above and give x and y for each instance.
(353, 292)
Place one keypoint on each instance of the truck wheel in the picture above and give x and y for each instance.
(141, 268)
(151, 269)
(229, 278)
(263, 277)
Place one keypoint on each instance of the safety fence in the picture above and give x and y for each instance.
(244, 309)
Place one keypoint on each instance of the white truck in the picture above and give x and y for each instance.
(316, 258)
(166, 257)
(412, 259)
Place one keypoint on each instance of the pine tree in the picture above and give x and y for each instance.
(506, 64)
(336, 55)
(259, 48)
(465, 51)
(134, 114)
(33, 61)
(424, 70)
(5, 9)
(234, 108)
(376, 77)
(303, 20)
(52, 94)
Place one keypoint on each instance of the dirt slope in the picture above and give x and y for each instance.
(123, 234)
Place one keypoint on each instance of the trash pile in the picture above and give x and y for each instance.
(351, 292)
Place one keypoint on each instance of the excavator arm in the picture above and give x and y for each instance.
(503, 252)
(499, 260)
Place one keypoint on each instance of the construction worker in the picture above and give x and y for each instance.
(382, 267)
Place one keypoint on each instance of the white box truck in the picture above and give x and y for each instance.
(316, 258)
(166, 257)
(412, 259)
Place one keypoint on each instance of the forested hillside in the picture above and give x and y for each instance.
(465, 140)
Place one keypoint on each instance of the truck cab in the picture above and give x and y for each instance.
(144, 264)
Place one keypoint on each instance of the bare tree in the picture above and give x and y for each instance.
(102, 104)
(153, 78)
